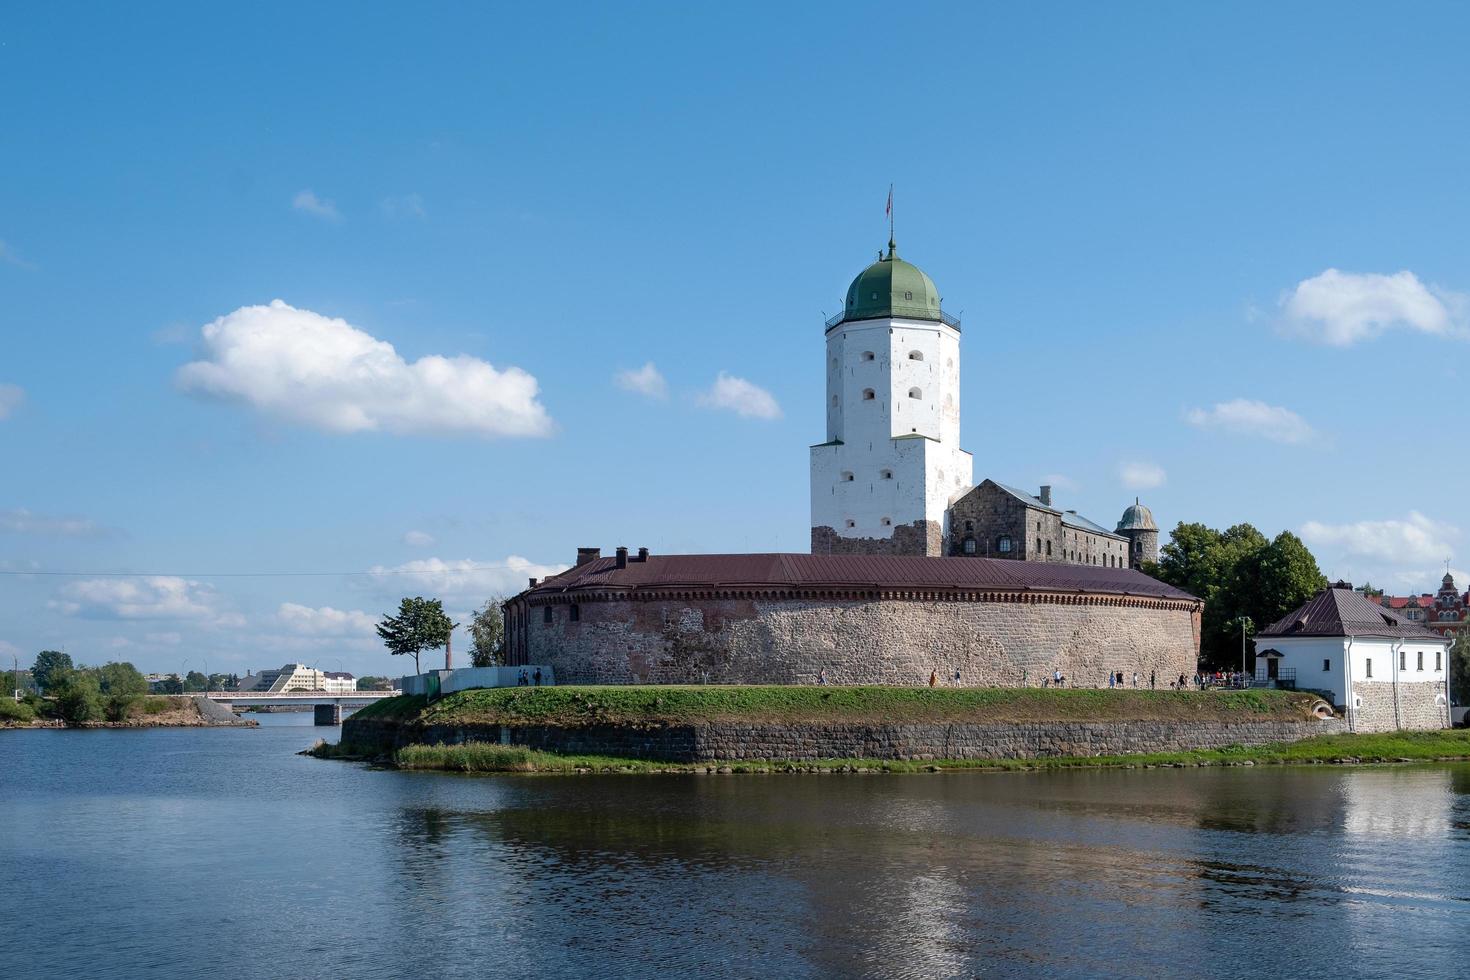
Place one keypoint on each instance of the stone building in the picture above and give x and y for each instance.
(1383, 671)
(872, 619)
(891, 478)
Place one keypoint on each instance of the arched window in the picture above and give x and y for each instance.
(968, 546)
(916, 355)
(908, 294)
(868, 394)
(915, 393)
(1003, 544)
(887, 522)
(847, 476)
(852, 524)
(867, 355)
(834, 401)
(885, 474)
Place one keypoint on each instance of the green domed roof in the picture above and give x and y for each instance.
(891, 287)
(1137, 518)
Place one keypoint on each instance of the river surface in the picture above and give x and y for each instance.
(200, 852)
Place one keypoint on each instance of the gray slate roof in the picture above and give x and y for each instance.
(1068, 517)
(1343, 612)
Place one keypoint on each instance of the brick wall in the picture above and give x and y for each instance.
(879, 641)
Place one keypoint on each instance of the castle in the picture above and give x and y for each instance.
(914, 573)
(891, 478)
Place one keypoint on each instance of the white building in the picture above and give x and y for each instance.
(1383, 671)
(299, 677)
(892, 463)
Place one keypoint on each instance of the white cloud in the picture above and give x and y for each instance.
(324, 621)
(1138, 475)
(463, 578)
(1414, 539)
(1253, 418)
(11, 397)
(418, 539)
(644, 381)
(404, 206)
(1341, 308)
(22, 521)
(10, 256)
(162, 597)
(320, 207)
(741, 397)
(324, 372)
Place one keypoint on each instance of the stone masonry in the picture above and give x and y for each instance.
(919, 538)
(1003, 642)
(1418, 705)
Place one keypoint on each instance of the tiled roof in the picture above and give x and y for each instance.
(1343, 612)
(853, 572)
(1404, 601)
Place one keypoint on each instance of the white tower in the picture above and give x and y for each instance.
(892, 463)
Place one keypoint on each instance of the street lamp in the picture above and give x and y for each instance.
(183, 676)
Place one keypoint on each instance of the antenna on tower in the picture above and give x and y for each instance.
(889, 212)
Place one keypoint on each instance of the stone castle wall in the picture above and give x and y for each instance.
(746, 740)
(1005, 643)
(921, 538)
(1417, 706)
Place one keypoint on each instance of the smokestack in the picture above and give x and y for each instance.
(584, 555)
(622, 556)
(1046, 495)
(643, 554)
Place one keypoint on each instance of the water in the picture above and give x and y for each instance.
(193, 852)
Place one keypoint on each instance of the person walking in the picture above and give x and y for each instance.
(956, 677)
(1056, 677)
(1135, 680)
(933, 677)
(822, 677)
(537, 677)
(1151, 678)
(1110, 680)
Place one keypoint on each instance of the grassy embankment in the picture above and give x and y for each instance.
(576, 706)
(148, 710)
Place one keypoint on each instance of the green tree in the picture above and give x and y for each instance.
(78, 696)
(374, 684)
(50, 664)
(169, 685)
(1247, 582)
(1460, 667)
(121, 687)
(420, 625)
(195, 681)
(487, 634)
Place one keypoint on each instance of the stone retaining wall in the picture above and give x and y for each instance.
(737, 740)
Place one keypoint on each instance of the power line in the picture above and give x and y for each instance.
(376, 573)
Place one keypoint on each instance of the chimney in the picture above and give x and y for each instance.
(643, 554)
(533, 583)
(622, 554)
(1046, 494)
(584, 555)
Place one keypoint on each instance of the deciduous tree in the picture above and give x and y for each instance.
(487, 634)
(50, 665)
(420, 625)
(121, 687)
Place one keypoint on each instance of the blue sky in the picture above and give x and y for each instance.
(1210, 256)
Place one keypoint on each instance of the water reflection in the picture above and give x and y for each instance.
(370, 873)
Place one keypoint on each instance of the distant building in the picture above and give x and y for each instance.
(1444, 611)
(993, 520)
(1383, 671)
(299, 677)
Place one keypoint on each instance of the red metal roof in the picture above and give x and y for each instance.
(852, 572)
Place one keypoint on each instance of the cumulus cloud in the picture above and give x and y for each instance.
(463, 578)
(325, 373)
(644, 381)
(1253, 418)
(1342, 308)
(22, 521)
(403, 206)
(320, 207)
(1413, 539)
(1138, 475)
(10, 398)
(741, 397)
(161, 597)
(418, 539)
(324, 621)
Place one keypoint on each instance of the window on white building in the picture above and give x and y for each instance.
(867, 355)
(885, 474)
(852, 524)
(916, 355)
(1326, 665)
(847, 476)
(1421, 660)
(887, 522)
(1403, 660)
(1439, 660)
(915, 393)
(1370, 668)
(868, 394)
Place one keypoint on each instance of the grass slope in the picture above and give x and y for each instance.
(575, 706)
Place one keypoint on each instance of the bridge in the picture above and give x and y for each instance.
(328, 704)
